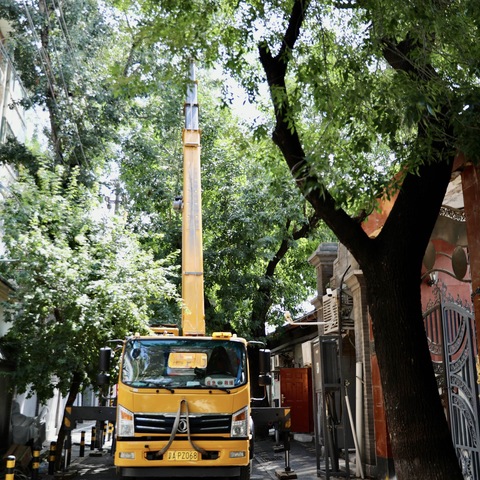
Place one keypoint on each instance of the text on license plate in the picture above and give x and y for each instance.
(182, 455)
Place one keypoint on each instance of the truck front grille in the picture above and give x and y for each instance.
(152, 424)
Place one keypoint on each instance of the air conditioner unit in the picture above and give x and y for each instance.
(275, 362)
(331, 306)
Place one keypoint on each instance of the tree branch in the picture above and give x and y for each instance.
(400, 55)
(285, 134)
(264, 298)
(427, 188)
(302, 232)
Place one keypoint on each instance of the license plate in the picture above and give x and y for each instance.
(179, 455)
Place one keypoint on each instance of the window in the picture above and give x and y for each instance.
(183, 363)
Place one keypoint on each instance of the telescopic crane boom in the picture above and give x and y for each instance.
(183, 402)
(193, 313)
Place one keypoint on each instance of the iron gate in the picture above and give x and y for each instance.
(450, 331)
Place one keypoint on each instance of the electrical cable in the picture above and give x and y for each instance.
(65, 90)
(43, 58)
(48, 70)
(68, 41)
(47, 67)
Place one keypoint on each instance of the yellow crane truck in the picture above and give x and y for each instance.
(183, 399)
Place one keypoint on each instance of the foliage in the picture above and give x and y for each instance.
(64, 55)
(362, 92)
(81, 280)
(18, 155)
(366, 96)
(117, 95)
(249, 206)
(342, 97)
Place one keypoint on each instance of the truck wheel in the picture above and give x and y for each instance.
(120, 476)
(245, 472)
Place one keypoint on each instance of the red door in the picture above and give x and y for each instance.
(296, 393)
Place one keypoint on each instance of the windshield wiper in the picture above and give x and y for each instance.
(161, 385)
(149, 383)
(214, 387)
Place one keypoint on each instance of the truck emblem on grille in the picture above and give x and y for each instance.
(182, 425)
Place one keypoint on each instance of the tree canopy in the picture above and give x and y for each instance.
(114, 107)
(250, 209)
(366, 98)
(81, 279)
(369, 98)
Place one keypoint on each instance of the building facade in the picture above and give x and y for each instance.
(342, 357)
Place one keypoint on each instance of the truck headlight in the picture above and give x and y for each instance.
(125, 423)
(240, 423)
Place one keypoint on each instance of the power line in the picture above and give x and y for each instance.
(63, 27)
(48, 70)
(68, 41)
(65, 90)
(43, 57)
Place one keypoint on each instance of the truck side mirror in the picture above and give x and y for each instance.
(105, 355)
(264, 377)
(103, 379)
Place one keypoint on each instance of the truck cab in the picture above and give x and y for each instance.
(183, 406)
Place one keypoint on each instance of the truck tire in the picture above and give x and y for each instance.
(120, 476)
(245, 472)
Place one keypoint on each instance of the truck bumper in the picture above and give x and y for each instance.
(140, 459)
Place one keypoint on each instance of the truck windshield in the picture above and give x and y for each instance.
(183, 363)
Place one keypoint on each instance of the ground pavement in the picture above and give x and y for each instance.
(269, 462)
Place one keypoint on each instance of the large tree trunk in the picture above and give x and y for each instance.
(419, 434)
(420, 438)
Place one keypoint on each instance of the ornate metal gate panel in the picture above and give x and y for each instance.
(450, 330)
